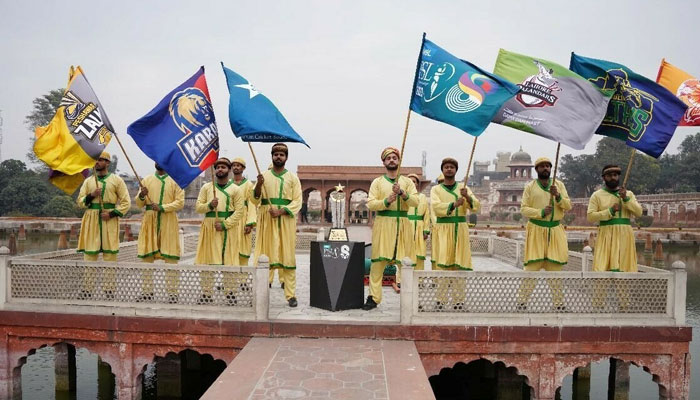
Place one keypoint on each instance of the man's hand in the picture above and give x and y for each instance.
(275, 212)
(214, 203)
(391, 198)
(96, 193)
(425, 236)
(247, 229)
(464, 192)
(154, 207)
(554, 191)
(143, 192)
(219, 226)
(258, 186)
(396, 188)
(623, 193)
(616, 207)
(105, 215)
(547, 210)
(459, 202)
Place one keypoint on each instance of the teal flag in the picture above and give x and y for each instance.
(642, 113)
(457, 92)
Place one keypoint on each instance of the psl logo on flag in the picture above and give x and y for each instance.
(457, 92)
(180, 133)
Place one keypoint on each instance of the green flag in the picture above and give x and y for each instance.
(553, 102)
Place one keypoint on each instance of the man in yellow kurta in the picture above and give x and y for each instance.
(612, 206)
(99, 229)
(159, 237)
(278, 192)
(450, 203)
(248, 219)
(221, 202)
(546, 246)
(420, 220)
(392, 235)
(440, 179)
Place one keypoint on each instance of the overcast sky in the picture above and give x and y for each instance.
(340, 72)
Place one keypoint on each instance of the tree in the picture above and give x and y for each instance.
(43, 110)
(26, 193)
(689, 162)
(579, 175)
(60, 206)
(10, 169)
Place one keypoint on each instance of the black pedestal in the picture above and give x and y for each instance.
(336, 275)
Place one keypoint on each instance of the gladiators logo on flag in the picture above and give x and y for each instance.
(632, 108)
(85, 119)
(192, 113)
(538, 90)
(689, 92)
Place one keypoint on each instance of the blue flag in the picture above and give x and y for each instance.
(641, 112)
(253, 117)
(180, 133)
(457, 92)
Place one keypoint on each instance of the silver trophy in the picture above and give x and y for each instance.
(337, 200)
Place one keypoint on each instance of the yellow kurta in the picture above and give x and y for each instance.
(392, 234)
(214, 247)
(96, 235)
(419, 217)
(249, 218)
(614, 248)
(451, 247)
(159, 235)
(545, 238)
(276, 237)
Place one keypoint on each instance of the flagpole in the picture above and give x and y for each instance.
(132, 166)
(257, 167)
(213, 192)
(629, 168)
(408, 117)
(97, 185)
(469, 166)
(556, 163)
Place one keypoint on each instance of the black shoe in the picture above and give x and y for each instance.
(293, 302)
(231, 299)
(370, 304)
(172, 299)
(205, 299)
(282, 285)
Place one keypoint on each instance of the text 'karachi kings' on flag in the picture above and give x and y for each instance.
(685, 87)
(553, 102)
(457, 92)
(641, 112)
(180, 133)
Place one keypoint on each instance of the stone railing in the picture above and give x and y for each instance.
(133, 288)
(649, 297)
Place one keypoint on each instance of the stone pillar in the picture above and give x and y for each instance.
(17, 383)
(181, 237)
(4, 276)
(582, 383)
(64, 365)
(124, 371)
(13, 244)
(619, 380)
(585, 265)
(262, 293)
(73, 233)
(22, 235)
(62, 241)
(168, 383)
(406, 296)
(680, 278)
(5, 359)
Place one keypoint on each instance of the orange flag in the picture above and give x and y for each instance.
(685, 87)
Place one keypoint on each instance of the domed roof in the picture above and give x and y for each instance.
(520, 158)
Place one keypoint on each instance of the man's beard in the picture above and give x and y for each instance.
(392, 167)
(222, 175)
(100, 169)
(612, 184)
(543, 175)
(278, 163)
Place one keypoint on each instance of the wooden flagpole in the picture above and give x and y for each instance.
(556, 163)
(136, 174)
(629, 168)
(213, 191)
(257, 167)
(97, 185)
(471, 157)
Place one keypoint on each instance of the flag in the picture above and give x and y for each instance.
(253, 117)
(552, 102)
(457, 92)
(685, 87)
(68, 183)
(78, 133)
(641, 112)
(180, 133)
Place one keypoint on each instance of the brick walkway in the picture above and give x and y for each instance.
(294, 368)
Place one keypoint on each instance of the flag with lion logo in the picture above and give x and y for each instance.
(77, 134)
(180, 133)
(685, 87)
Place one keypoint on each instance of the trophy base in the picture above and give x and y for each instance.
(338, 235)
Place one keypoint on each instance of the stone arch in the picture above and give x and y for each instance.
(314, 208)
(38, 344)
(567, 367)
(507, 377)
(172, 367)
(681, 216)
(358, 211)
